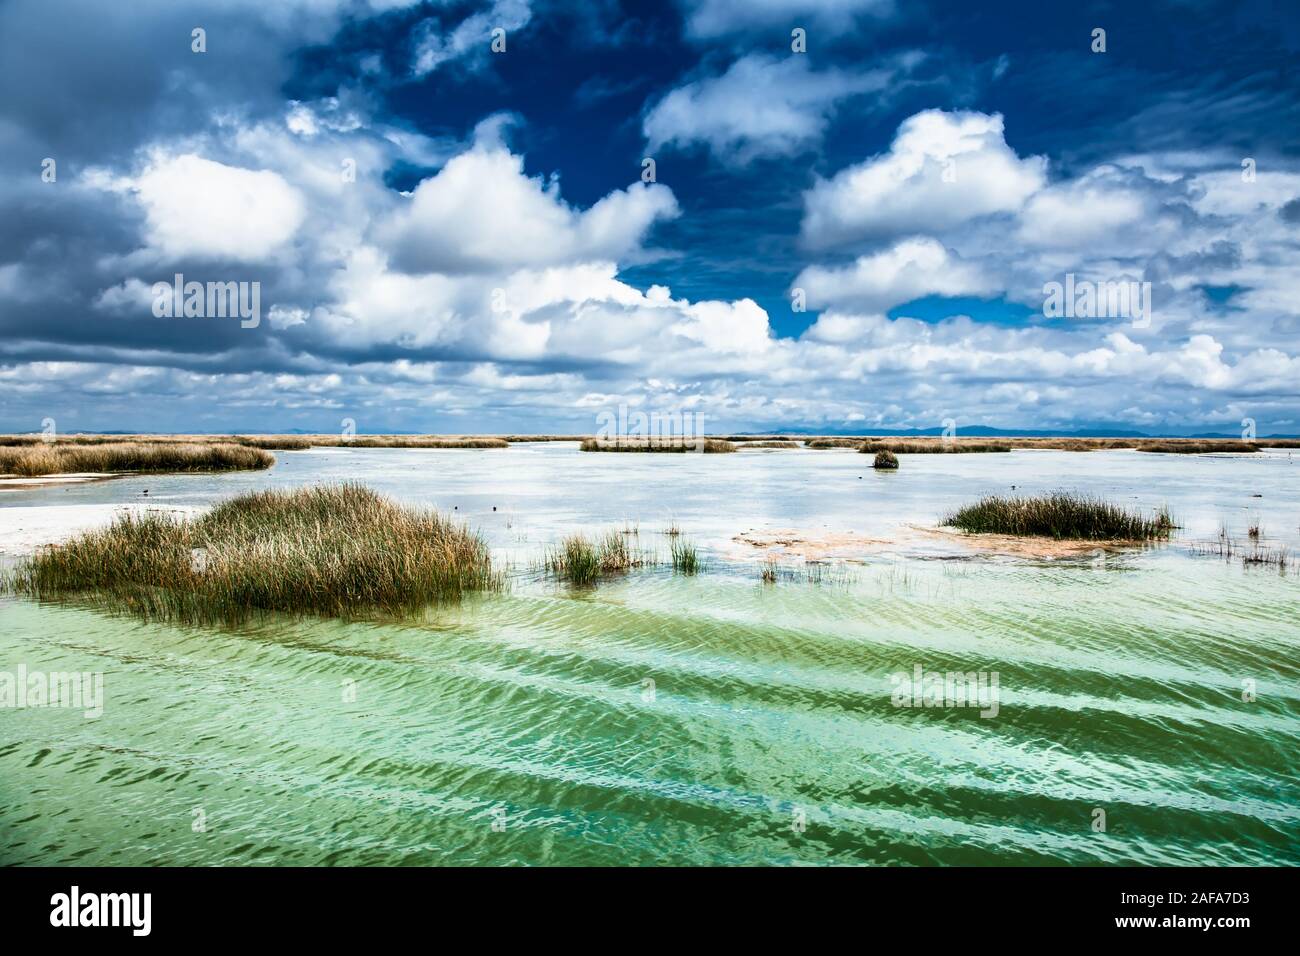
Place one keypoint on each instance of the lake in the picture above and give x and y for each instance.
(1147, 701)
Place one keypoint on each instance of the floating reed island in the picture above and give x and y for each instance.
(1060, 515)
(709, 446)
(54, 458)
(331, 550)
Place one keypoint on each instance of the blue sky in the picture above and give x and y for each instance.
(913, 178)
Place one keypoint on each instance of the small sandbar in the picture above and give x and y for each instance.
(72, 478)
(810, 546)
(25, 529)
(1017, 546)
(916, 540)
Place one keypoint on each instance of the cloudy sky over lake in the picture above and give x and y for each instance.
(447, 237)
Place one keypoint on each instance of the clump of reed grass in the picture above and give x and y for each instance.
(52, 458)
(330, 550)
(583, 560)
(707, 445)
(1253, 531)
(885, 459)
(1059, 515)
(769, 571)
(686, 559)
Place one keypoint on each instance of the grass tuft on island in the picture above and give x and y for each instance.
(30, 461)
(710, 445)
(1059, 515)
(330, 550)
(885, 460)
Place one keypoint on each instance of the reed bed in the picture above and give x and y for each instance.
(274, 442)
(708, 445)
(406, 441)
(522, 438)
(1187, 447)
(821, 443)
(330, 550)
(766, 444)
(1059, 515)
(933, 447)
(885, 460)
(53, 459)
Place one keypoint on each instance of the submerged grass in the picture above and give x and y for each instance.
(330, 550)
(53, 458)
(1059, 515)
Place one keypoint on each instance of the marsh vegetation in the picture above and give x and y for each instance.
(1060, 515)
(329, 550)
(55, 458)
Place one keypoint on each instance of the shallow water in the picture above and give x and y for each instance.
(706, 720)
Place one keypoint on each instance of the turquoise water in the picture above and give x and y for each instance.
(709, 720)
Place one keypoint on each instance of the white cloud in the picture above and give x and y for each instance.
(195, 206)
(907, 270)
(471, 38)
(712, 18)
(761, 106)
(941, 170)
(1098, 208)
(482, 213)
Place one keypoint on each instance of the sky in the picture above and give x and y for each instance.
(516, 215)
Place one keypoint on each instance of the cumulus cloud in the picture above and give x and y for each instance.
(482, 213)
(907, 270)
(761, 106)
(941, 170)
(195, 206)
